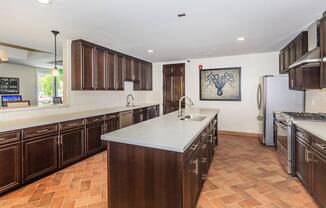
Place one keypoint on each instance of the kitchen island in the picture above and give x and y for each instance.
(162, 162)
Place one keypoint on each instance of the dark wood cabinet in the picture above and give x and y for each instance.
(128, 69)
(173, 86)
(323, 52)
(98, 68)
(153, 112)
(140, 115)
(100, 76)
(302, 165)
(282, 62)
(72, 146)
(119, 82)
(93, 138)
(109, 71)
(311, 164)
(10, 164)
(111, 124)
(40, 156)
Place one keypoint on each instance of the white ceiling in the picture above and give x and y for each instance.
(134, 26)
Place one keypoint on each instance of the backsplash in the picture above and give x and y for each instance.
(316, 101)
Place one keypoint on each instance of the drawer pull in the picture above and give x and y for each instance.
(321, 146)
(210, 140)
(42, 131)
(203, 177)
(204, 134)
(194, 147)
(203, 146)
(196, 170)
(96, 119)
(203, 160)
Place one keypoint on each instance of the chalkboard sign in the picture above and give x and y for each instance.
(9, 85)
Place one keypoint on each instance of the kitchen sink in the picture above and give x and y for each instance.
(193, 117)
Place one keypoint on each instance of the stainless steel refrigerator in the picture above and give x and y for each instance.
(274, 95)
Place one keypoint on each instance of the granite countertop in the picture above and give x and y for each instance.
(166, 132)
(38, 121)
(315, 128)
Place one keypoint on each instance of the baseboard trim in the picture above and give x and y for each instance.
(242, 134)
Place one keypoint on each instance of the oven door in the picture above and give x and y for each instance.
(284, 145)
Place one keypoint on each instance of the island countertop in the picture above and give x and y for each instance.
(318, 129)
(166, 132)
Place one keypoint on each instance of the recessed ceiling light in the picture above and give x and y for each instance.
(44, 2)
(240, 39)
(150, 51)
(182, 15)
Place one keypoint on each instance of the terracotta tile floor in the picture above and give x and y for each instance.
(243, 174)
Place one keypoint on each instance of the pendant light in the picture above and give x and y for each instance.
(55, 71)
(3, 56)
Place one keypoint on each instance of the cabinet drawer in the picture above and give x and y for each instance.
(303, 136)
(94, 119)
(71, 124)
(8, 137)
(111, 116)
(40, 130)
(320, 146)
(195, 145)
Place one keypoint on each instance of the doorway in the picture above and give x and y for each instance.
(173, 86)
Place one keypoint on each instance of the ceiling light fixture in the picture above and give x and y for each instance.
(150, 51)
(240, 39)
(182, 15)
(44, 2)
(3, 56)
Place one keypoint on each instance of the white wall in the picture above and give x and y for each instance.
(235, 116)
(316, 101)
(27, 79)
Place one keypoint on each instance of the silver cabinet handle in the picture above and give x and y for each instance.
(321, 146)
(211, 139)
(41, 131)
(203, 160)
(194, 147)
(195, 171)
(203, 146)
(203, 177)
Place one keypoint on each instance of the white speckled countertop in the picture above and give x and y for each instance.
(38, 121)
(315, 128)
(166, 132)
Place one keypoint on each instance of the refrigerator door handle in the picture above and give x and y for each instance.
(259, 96)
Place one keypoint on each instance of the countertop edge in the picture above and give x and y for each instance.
(303, 125)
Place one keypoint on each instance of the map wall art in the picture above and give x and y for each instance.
(222, 84)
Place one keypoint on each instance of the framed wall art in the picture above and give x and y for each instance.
(222, 84)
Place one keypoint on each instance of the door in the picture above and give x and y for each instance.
(109, 81)
(100, 69)
(88, 67)
(173, 86)
(93, 139)
(72, 147)
(323, 52)
(318, 178)
(10, 161)
(40, 157)
(302, 166)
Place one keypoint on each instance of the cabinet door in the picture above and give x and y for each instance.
(149, 77)
(292, 79)
(72, 146)
(109, 81)
(142, 76)
(151, 112)
(190, 182)
(323, 52)
(93, 138)
(286, 59)
(119, 73)
(40, 157)
(281, 62)
(128, 69)
(319, 179)
(10, 161)
(100, 69)
(110, 126)
(301, 163)
(292, 53)
(136, 75)
(88, 67)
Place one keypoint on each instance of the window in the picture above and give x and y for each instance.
(46, 86)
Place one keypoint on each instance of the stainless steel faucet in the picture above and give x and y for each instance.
(180, 109)
(130, 104)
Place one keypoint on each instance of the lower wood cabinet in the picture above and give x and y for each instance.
(10, 166)
(72, 146)
(311, 164)
(93, 138)
(40, 156)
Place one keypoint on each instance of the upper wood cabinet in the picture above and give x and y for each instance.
(97, 68)
(323, 52)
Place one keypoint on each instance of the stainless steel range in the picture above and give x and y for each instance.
(285, 138)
